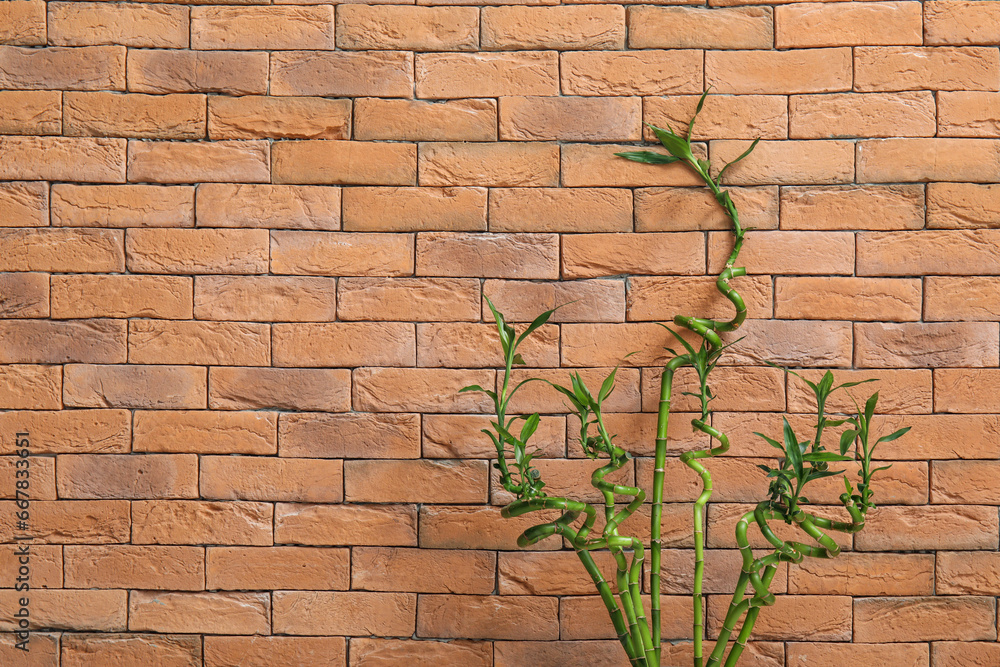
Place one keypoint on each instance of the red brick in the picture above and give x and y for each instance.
(175, 71)
(427, 28)
(864, 574)
(24, 295)
(97, 341)
(275, 651)
(962, 205)
(700, 28)
(528, 256)
(136, 25)
(910, 114)
(205, 432)
(384, 652)
(560, 28)
(183, 162)
(454, 75)
(966, 527)
(352, 613)
(265, 298)
(966, 390)
(268, 206)
(786, 162)
(848, 24)
(646, 72)
(344, 162)
(201, 522)
(71, 610)
(70, 522)
(960, 22)
(913, 68)
(271, 479)
(167, 297)
(342, 74)
(127, 566)
(122, 206)
(882, 299)
(585, 165)
(782, 252)
(419, 389)
(24, 204)
(270, 28)
(264, 568)
(409, 299)
(88, 650)
(923, 618)
(23, 23)
(280, 388)
(355, 525)
(95, 476)
(594, 255)
(968, 114)
(414, 209)
(134, 386)
(570, 118)
(259, 117)
(197, 250)
(928, 253)
(209, 613)
(417, 120)
(779, 72)
(864, 207)
(577, 301)
(819, 618)
(489, 164)
(204, 343)
(722, 117)
(423, 571)
(61, 68)
(660, 299)
(62, 159)
(488, 617)
(30, 111)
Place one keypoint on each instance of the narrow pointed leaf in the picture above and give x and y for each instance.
(889, 438)
(648, 157)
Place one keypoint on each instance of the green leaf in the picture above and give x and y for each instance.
(530, 425)
(537, 322)
(701, 103)
(773, 443)
(848, 385)
(826, 384)
(477, 388)
(505, 336)
(718, 179)
(879, 469)
(889, 438)
(676, 144)
(820, 457)
(518, 360)
(792, 450)
(764, 468)
(607, 386)
(648, 157)
(870, 407)
(846, 438)
(580, 390)
(847, 484)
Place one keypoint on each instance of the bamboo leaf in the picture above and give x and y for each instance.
(530, 425)
(673, 142)
(648, 157)
(870, 407)
(537, 322)
(745, 153)
(773, 443)
(889, 438)
(820, 457)
(846, 438)
(792, 450)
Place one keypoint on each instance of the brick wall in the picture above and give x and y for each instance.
(242, 259)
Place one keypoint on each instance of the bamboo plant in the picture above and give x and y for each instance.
(798, 463)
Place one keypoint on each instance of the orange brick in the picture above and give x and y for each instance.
(779, 72)
(963, 205)
(700, 28)
(566, 653)
(63, 159)
(786, 162)
(30, 111)
(454, 75)
(778, 252)
(528, 256)
(71, 610)
(587, 618)
(461, 437)
(167, 297)
(416, 481)
(269, 28)
(584, 165)
(747, 389)
(819, 654)
(268, 206)
(928, 252)
(934, 436)
(401, 651)
(960, 22)
(132, 476)
(969, 482)
(61, 68)
(538, 397)
(815, 617)
(197, 250)
(565, 478)
(205, 432)
(136, 25)
(24, 295)
(886, 160)
(70, 431)
(122, 206)
(781, 342)
(46, 563)
(636, 433)
(42, 478)
(419, 389)
(489, 164)
(473, 345)
(175, 71)
(417, 120)
(962, 298)
(83, 650)
(580, 346)
(909, 114)
(559, 28)
(258, 117)
(24, 204)
(265, 568)
(656, 209)
(183, 162)
(735, 479)
(631, 73)
(201, 522)
(900, 392)
(132, 115)
(275, 651)
(955, 654)
(577, 301)
(660, 299)
(271, 479)
(968, 114)
(23, 23)
(848, 24)
(209, 613)
(414, 209)
(969, 527)
(409, 299)
(570, 119)
(875, 207)
(864, 299)
(339, 254)
(423, 571)
(939, 68)
(265, 298)
(427, 28)
(344, 162)
(232, 388)
(463, 527)
(864, 574)
(352, 613)
(488, 617)
(549, 573)
(340, 74)
(593, 255)
(922, 618)
(722, 568)
(722, 117)
(358, 525)
(127, 566)
(964, 573)
(921, 344)
(97, 341)
(71, 522)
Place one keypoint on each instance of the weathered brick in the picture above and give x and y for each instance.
(265, 568)
(784, 342)
(24, 204)
(419, 389)
(418, 120)
(99, 114)
(528, 256)
(585, 165)
(356, 525)
(636, 433)
(661, 299)
(133, 386)
(656, 209)
(423, 571)
(928, 253)
(963, 205)
(127, 566)
(645, 72)
(488, 617)
(566, 653)
(562, 27)
(344, 162)
(30, 111)
(778, 252)
(935, 436)
(890, 68)
(416, 481)
(848, 24)
(42, 477)
(62, 159)
(906, 114)
(71, 522)
(922, 618)
(131, 24)
(922, 345)
(965, 573)
(819, 654)
(352, 613)
(401, 651)
(594, 255)
(864, 574)
(966, 390)
(268, 206)
(76, 296)
(587, 618)
(275, 650)
(340, 254)
(779, 72)
(901, 391)
(454, 75)
(882, 299)
(786, 162)
(819, 618)
(344, 74)
(177, 71)
(232, 388)
(887, 160)
(570, 118)
(473, 345)
(259, 117)
(184, 162)
(966, 527)
(577, 301)
(46, 562)
(96, 341)
(131, 476)
(200, 522)
(489, 164)
(414, 209)
(70, 610)
(463, 527)
(875, 207)
(747, 389)
(351, 436)
(581, 346)
(961, 298)
(565, 478)
(122, 206)
(409, 299)
(427, 28)
(956, 654)
(700, 28)
(84, 650)
(61, 250)
(722, 117)
(23, 23)
(960, 22)
(209, 613)
(271, 479)
(968, 114)
(270, 28)
(969, 482)
(69, 431)
(265, 298)
(204, 343)
(205, 432)
(461, 437)
(197, 250)
(538, 397)
(548, 573)
(61, 68)
(24, 295)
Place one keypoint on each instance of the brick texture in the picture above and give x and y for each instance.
(245, 247)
